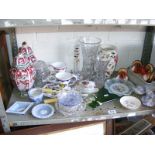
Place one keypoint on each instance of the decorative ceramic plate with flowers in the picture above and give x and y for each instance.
(119, 87)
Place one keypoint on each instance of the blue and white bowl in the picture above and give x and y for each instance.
(36, 95)
(140, 90)
(149, 100)
(69, 102)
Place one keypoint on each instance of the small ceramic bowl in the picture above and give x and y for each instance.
(36, 94)
(148, 100)
(140, 90)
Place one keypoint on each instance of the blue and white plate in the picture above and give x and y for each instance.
(43, 111)
(119, 87)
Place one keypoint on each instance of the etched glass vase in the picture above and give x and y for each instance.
(89, 47)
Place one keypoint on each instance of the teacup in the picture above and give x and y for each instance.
(36, 94)
(59, 67)
(87, 85)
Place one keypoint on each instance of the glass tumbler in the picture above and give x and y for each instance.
(100, 71)
(89, 47)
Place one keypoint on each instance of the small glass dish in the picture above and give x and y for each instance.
(69, 102)
(19, 107)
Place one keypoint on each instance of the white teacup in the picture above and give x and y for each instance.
(59, 67)
(87, 85)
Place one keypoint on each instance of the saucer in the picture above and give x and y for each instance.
(119, 87)
(64, 76)
(130, 102)
(43, 111)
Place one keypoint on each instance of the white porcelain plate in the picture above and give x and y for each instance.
(64, 76)
(19, 107)
(43, 111)
(130, 102)
(59, 65)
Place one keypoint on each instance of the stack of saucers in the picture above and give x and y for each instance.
(70, 103)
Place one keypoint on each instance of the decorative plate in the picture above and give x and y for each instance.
(19, 107)
(43, 111)
(130, 102)
(119, 87)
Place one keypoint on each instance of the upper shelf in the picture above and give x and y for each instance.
(7, 23)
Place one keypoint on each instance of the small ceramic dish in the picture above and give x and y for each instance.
(140, 90)
(148, 100)
(130, 102)
(19, 107)
(36, 94)
(43, 111)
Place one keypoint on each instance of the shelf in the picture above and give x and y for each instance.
(100, 113)
(7, 23)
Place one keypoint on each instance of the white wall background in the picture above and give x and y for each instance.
(57, 43)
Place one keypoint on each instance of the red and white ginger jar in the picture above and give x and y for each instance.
(23, 73)
(20, 61)
(23, 78)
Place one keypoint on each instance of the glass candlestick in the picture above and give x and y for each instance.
(76, 60)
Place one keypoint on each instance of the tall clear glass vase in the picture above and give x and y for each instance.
(89, 47)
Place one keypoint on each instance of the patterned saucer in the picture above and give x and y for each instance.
(119, 87)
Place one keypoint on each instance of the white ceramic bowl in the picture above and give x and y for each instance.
(36, 94)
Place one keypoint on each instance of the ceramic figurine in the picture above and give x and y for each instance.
(146, 71)
(122, 74)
